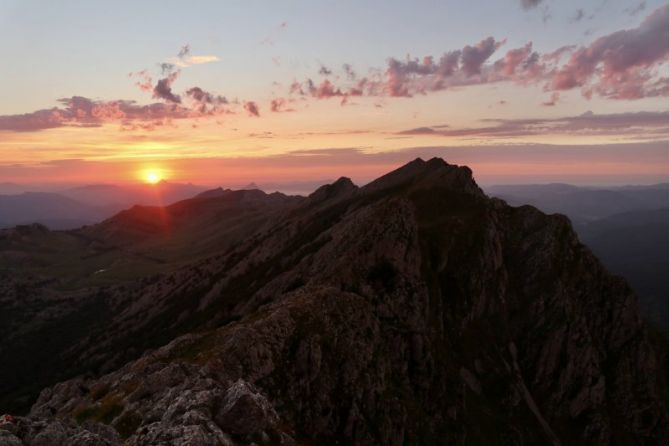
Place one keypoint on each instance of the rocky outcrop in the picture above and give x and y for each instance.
(413, 310)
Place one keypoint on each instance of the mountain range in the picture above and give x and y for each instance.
(83, 205)
(584, 204)
(412, 310)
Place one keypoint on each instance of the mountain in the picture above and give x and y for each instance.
(624, 226)
(413, 310)
(54, 210)
(636, 246)
(84, 205)
(211, 221)
(117, 197)
(289, 187)
(584, 204)
(12, 189)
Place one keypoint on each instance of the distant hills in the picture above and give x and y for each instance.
(122, 197)
(53, 210)
(584, 204)
(12, 188)
(636, 245)
(85, 205)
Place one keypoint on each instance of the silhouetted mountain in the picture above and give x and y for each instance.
(583, 204)
(52, 210)
(86, 205)
(205, 224)
(12, 189)
(413, 310)
(289, 187)
(121, 197)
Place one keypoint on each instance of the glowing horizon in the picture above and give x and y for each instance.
(296, 100)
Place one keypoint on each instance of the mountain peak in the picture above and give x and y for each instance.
(434, 173)
(212, 193)
(343, 187)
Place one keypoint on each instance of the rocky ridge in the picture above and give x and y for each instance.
(414, 310)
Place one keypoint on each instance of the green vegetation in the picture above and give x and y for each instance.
(127, 423)
(105, 411)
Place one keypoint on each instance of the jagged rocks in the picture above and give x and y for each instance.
(49, 432)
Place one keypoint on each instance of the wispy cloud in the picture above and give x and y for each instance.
(271, 38)
(530, 4)
(186, 59)
(636, 9)
(587, 124)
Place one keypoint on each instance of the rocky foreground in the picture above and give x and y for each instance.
(414, 310)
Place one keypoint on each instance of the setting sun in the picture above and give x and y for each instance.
(152, 176)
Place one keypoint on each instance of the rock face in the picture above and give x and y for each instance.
(414, 310)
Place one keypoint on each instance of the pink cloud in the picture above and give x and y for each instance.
(163, 89)
(587, 123)
(78, 111)
(206, 103)
(555, 97)
(252, 108)
(473, 57)
(619, 65)
(280, 105)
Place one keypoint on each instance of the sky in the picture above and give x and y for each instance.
(229, 92)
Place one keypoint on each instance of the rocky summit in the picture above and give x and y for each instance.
(412, 311)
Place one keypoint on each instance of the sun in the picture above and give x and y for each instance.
(152, 176)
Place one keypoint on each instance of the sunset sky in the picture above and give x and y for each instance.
(228, 92)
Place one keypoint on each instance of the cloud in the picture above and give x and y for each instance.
(326, 90)
(623, 65)
(78, 111)
(278, 105)
(620, 65)
(579, 15)
(419, 131)
(252, 108)
(184, 51)
(205, 102)
(145, 82)
(166, 68)
(473, 57)
(555, 97)
(636, 9)
(348, 70)
(186, 59)
(171, 71)
(195, 60)
(201, 102)
(28, 122)
(587, 123)
(405, 78)
(163, 89)
(273, 35)
(530, 4)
